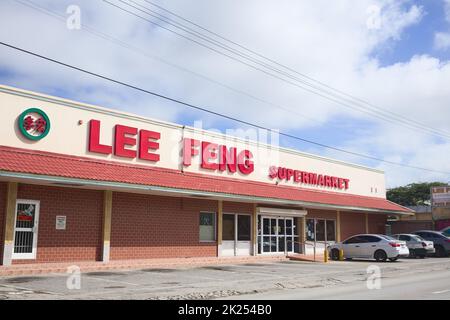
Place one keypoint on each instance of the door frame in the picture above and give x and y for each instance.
(277, 236)
(235, 241)
(33, 253)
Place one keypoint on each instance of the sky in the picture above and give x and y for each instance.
(394, 55)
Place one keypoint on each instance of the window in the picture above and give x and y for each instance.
(405, 238)
(244, 228)
(429, 235)
(207, 226)
(228, 230)
(421, 234)
(322, 228)
(369, 239)
(352, 240)
(331, 230)
(310, 234)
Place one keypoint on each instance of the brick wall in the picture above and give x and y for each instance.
(82, 238)
(352, 223)
(235, 207)
(145, 226)
(2, 217)
(377, 223)
(321, 214)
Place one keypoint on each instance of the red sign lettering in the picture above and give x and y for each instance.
(125, 136)
(125, 141)
(209, 155)
(94, 139)
(217, 157)
(308, 178)
(148, 142)
(189, 150)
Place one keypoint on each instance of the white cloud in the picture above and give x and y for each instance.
(394, 19)
(328, 41)
(442, 40)
(447, 9)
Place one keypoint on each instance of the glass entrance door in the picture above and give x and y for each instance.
(277, 235)
(25, 229)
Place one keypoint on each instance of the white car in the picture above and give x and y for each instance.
(370, 246)
(418, 246)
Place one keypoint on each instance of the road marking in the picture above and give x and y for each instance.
(27, 289)
(443, 291)
(116, 281)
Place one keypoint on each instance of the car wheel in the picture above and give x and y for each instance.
(380, 255)
(422, 257)
(440, 251)
(335, 254)
(393, 259)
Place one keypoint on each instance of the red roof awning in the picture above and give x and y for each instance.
(15, 160)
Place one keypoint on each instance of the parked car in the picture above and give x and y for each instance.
(370, 246)
(441, 242)
(418, 247)
(446, 231)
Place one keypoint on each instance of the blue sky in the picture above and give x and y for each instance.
(399, 66)
(418, 38)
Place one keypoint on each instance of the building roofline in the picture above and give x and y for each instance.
(131, 116)
(75, 182)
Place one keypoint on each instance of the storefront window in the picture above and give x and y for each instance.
(228, 227)
(310, 232)
(322, 228)
(244, 228)
(331, 230)
(207, 226)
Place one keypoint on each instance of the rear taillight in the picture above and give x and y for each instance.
(424, 244)
(448, 240)
(394, 244)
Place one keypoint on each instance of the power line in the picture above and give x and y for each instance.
(133, 48)
(411, 124)
(203, 109)
(282, 65)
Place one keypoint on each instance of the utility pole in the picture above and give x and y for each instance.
(432, 211)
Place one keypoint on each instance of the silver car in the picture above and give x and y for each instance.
(418, 246)
(369, 246)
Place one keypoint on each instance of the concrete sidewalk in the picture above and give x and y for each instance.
(89, 266)
(255, 279)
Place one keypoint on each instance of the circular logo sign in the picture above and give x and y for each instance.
(34, 124)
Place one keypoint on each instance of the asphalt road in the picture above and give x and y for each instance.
(404, 279)
(419, 286)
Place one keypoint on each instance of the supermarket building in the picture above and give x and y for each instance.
(84, 183)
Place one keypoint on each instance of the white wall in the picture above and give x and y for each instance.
(68, 137)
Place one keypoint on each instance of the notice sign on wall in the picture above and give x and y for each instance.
(60, 222)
